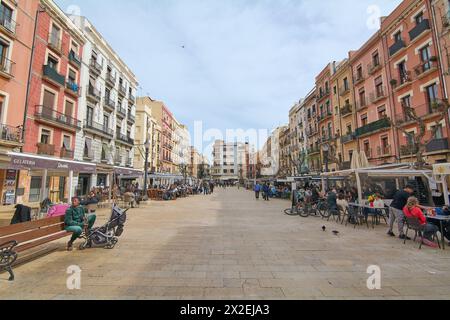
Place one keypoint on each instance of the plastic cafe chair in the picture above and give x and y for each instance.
(414, 224)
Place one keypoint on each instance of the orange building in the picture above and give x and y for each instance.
(414, 69)
(325, 110)
(17, 24)
(373, 107)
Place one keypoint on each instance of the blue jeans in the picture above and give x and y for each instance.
(77, 231)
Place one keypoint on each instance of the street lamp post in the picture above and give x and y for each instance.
(326, 149)
(147, 151)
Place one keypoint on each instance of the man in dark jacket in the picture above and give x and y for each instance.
(75, 221)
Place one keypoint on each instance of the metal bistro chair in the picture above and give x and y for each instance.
(414, 224)
(335, 214)
(358, 217)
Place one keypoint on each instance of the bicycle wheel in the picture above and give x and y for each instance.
(322, 208)
(291, 211)
(303, 212)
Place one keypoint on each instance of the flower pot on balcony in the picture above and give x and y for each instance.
(393, 83)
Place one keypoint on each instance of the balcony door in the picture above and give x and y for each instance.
(68, 110)
(6, 14)
(425, 55)
(48, 103)
(89, 116)
(3, 55)
(55, 35)
(432, 95)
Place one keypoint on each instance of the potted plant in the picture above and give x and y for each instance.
(393, 82)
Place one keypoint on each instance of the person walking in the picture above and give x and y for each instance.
(266, 192)
(257, 190)
(396, 211)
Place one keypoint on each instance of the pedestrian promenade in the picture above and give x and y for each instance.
(230, 246)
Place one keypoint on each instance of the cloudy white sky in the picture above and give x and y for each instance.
(245, 62)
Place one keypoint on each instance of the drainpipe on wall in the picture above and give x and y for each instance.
(388, 74)
(436, 39)
(36, 21)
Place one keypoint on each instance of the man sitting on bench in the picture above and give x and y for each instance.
(75, 220)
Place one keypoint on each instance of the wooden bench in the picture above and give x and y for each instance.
(18, 238)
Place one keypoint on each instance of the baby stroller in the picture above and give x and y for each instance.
(108, 235)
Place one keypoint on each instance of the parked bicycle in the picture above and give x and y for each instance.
(302, 209)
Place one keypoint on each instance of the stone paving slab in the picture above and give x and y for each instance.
(230, 246)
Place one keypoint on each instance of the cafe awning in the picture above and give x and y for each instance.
(128, 172)
(20, 161)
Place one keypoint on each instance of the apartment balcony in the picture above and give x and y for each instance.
(52, 75)
(446, 20)
(122, 91)
(378, 95)
(98, 129)
(131, 118)
(11, 136)
(313, 150)
(373, 127)
(348, 138)
(7, 25)
(45, 149)
(109, 104)
(72, 88)
(325, 115)
(131, 99)
(422, 111)
(6, 68)
(55, 43)
(95, 68)
(384, 151)
(402, 80)
(408, 150)
(397, 47)
(358, 78)
(419, 29)
(311, 132)
(57, 119)
(322, 95)
(125, 139)
(438, 145)
(344, 91)
(110, 80)
(74, 59)
(425, 68)
(346, 110)
(93, 94)
(121, 112)
(374, 67)
(361, 104)
(66, 154)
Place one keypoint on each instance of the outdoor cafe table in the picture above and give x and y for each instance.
(441, 220)
(361, 207)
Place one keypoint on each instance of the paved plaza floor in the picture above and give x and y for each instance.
(230, 246)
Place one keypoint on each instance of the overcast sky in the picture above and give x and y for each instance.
(245, 62)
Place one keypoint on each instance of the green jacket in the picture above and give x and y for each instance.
(75, 217)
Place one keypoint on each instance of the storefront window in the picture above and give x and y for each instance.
(35, 189)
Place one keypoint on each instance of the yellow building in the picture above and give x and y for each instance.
(344, 115)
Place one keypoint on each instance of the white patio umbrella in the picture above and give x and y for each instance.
(364, 161)
(356, 161)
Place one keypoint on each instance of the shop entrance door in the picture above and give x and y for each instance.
(84, 183)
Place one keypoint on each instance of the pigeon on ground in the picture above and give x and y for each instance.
(336, 232)
(324, 228)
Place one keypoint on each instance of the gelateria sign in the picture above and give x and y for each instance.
(23, 162)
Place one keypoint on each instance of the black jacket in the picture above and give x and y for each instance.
(22, 214)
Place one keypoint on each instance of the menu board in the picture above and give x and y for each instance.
(9, 187)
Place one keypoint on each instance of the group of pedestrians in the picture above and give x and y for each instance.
(266, 191)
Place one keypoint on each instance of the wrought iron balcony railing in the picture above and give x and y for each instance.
(98, 127)
(419, 29)
(54, 42)
(6, 66)
(396, 47)
(53, 75)
(74, 58)
(47, 113)
(11, 134)
(46, 149)
(7, 23)
(383, 123)
(95, 67)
